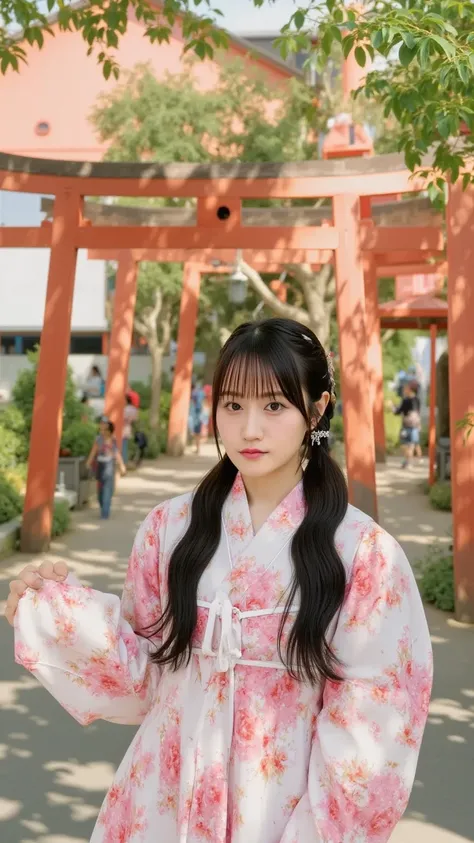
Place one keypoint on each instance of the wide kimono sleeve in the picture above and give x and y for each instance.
(368, 733)
(91, 650)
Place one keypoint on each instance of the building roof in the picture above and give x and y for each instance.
(245, 43)
(422, 310)
(268, 55)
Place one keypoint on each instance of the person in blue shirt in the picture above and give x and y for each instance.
(196, 414)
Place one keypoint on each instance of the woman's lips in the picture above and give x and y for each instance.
(252, 453)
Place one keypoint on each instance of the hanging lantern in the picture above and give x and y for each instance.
(238, 283)
(237, 288)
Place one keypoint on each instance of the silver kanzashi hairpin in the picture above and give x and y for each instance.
(317, 435)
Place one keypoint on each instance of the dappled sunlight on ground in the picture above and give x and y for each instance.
(405, 510)
(55, 773)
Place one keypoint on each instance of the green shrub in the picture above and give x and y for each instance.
(61, 518)
(392, 431)
(337, 428)
(437, 578)
(79, 438)
(153, 447)
(10, 445)
(11, 503)
(440, 496)
(165, 407)
(156, 443)
(12, 419)
(17, 476)
(424, 437)
(23, 394)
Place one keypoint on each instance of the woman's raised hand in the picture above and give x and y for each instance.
(32, 576)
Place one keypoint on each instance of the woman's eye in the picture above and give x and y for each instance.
(233, 406)
(275, 406)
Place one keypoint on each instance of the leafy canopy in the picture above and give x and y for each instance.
(427, 46)
(244, 118)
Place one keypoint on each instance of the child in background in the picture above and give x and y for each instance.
(105, 456)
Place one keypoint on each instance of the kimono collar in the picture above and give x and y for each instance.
(276, 530)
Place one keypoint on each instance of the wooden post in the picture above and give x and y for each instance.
(374, 354)
(181, 392)
(51, 376)
(460, 230)
(121, 341)
(432, 423)
(356, 403)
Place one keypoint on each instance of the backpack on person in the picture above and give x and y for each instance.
(141, 440)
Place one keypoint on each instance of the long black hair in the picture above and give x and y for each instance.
(256, 357)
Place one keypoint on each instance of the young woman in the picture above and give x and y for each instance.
(105, 456)
(270, 641)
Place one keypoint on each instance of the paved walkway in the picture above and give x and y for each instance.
(54, 773)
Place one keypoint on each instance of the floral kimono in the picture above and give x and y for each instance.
(230, 748)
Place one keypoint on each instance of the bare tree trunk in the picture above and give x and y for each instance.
(155, 327)
(156, 353)
(318, 297)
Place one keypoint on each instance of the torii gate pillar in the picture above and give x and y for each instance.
(181, 392)
(51, 377)
(356, 395)
(121, 341)
(460, 228)
(374, 355)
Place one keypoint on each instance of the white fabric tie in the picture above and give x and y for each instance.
(230, 643)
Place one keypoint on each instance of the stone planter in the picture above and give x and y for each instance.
(86, 491)
(76, 477)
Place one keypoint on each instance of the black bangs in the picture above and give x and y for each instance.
(259, 372)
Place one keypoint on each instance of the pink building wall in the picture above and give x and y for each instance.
(60, 86)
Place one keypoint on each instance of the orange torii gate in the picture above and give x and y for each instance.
(204, 262)
(220, 191)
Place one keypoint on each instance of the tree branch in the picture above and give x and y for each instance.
(141, 327)
(387, 335)
(283, 309)
(164, 324)
(156, 309)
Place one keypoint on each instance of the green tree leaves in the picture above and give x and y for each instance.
(427, 83)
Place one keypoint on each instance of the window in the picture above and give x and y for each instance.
(30, 342)
(86, 344)
(42, 128)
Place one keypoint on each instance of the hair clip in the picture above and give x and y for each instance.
(308, 339)
(317, 435)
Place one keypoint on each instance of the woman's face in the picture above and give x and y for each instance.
(261, 435)
(104, 429)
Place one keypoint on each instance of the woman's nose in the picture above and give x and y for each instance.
(252, 428)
